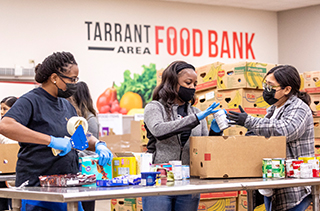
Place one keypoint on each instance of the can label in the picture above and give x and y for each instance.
(296, 168)
(278, 167)
(267, 168)
(221, 119)
(289, 168)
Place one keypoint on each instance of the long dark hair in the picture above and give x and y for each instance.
(82, 99)
(55, 63)
(9, 101)
(287, 75)
(167, 89)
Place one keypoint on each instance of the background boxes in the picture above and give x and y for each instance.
(236, 156)
(207, 76)
(8, 157)
(312, 81)
(242, 75)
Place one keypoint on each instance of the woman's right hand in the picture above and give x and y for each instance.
(208, 111)
(62, 144)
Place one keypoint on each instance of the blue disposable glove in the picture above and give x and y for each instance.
(214, 125)
(208, 111)
(62, 144)
(105, 155)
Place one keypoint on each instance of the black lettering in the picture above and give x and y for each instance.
(130, 49)
(97, 32)
(137, 33)
(127, 33)
(138, 50)
(107, 30)
(117, 28)
(147, 33)
(88, 28)
(121, 49)
(146, 50)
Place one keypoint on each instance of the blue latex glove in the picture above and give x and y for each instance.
(105, 155)
(62, 144)
(214, 126)
(208, 111)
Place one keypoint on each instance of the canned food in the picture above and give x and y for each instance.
(278, 168)
(289, 168)
(296, 168)
(267, 168)
(221, 119)
(306, 170)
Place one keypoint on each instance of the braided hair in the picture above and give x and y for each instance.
(55, 63)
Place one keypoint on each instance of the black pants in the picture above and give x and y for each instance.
(88, 205)
(5, 204)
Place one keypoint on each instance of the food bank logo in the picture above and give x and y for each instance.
(136, 39)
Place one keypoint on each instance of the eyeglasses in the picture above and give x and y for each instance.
(73, 79)
(268, 87)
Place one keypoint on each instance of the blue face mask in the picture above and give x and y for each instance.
(186, 94)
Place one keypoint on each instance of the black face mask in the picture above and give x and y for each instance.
(269, 96)
(71, 89)
(186, 94)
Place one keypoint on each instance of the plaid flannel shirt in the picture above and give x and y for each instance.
(295, 122)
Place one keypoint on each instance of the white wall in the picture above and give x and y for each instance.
(299, 38)
(34, 29)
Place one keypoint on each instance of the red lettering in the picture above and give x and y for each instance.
(158, 40)
(225, 41)
(249, 47)
(211, 43)
(239, 45)
(185, 41)
(194, 32)
(172, 41)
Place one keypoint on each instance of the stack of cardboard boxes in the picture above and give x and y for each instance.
(232, 85)
(312, 86)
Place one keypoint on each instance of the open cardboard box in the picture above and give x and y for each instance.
(233, 156)
(8, 157)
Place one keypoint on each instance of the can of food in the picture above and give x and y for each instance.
(296, 168)
(306, 170)
(318, 158)
(278, 168)
(221, 119)
(306, 159)
(289, 168)
(267, 168)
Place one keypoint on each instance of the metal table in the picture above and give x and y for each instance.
(72, 195)
(7, 177)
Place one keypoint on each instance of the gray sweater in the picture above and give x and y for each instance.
(167, 131)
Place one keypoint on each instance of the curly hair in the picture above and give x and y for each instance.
(55, 63)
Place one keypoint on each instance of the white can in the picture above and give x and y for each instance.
(221, 119)
(306, 170)
(176, 169)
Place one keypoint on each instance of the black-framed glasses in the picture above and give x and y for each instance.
(268, 87)
(72, 79)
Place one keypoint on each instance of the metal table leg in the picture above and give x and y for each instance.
(72, 206)
(250, 200)
(16, 204)
(315, 197)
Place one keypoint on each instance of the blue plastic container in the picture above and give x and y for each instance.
(150, 178)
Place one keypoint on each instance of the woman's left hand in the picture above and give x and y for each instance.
(238, 118)
(105, 155)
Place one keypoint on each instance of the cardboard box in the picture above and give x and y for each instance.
(315, 103)
(89, 165)
(316, 124)
(139, 204)
(218, 195)
(229, 204)
(302, 82)
(143, 133)
(204, 99)
(8, 157)
(251, 100)
(312, 81)
(124, 163)
(126, 204)
(242, 75)
(317, 147)
(207, 76)
(242, 204)
(233, 156)
(236, 130)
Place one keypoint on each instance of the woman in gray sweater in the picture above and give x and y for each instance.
(170, 120)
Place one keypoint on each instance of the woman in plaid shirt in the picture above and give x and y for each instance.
(289, 115)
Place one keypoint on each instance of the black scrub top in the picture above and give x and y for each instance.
(41, 112)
